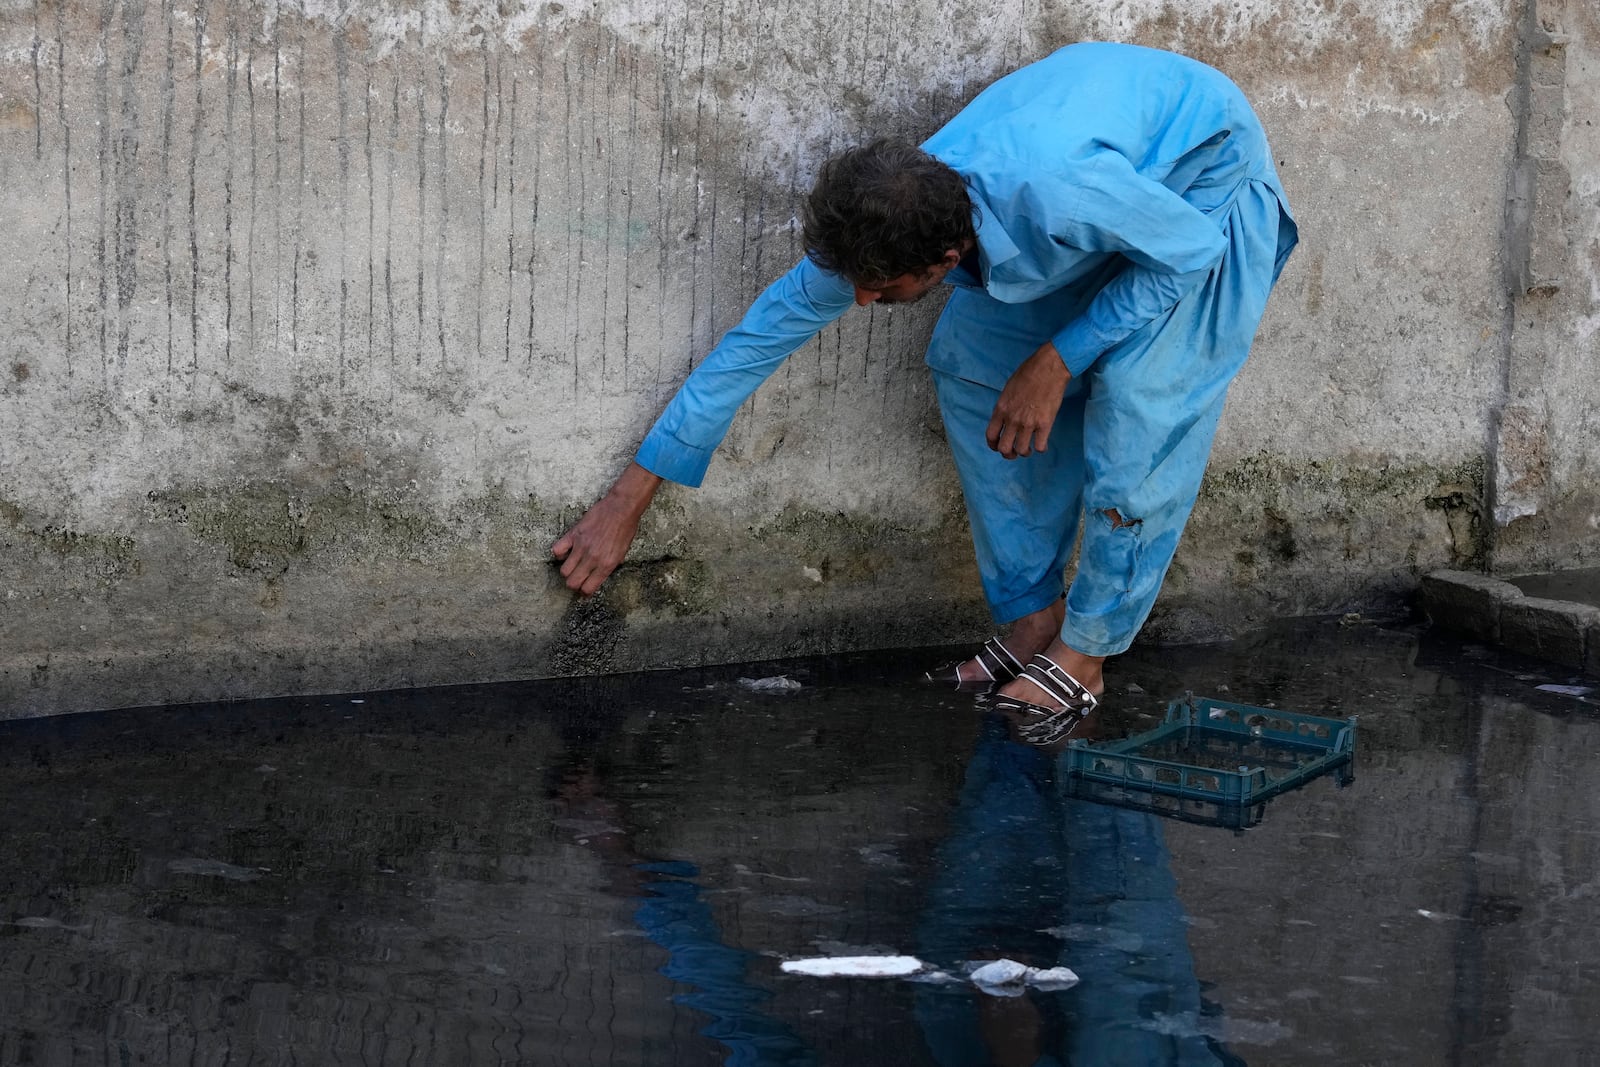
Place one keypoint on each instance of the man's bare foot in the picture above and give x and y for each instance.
(1028, 635)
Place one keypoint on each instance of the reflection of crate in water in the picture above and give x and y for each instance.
(1205, 812)
(1212, 761)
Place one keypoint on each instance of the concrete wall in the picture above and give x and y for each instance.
(318, 322)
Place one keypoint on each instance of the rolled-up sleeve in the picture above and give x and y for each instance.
(785, 316)
(1169, 244)
(1133, 298)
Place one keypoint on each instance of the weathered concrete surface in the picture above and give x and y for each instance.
(1555, 630)
(1551, 620)
(1467, 603)
(1547, 437)
(319, 322)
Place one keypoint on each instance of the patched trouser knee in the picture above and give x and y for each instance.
(1153, 408)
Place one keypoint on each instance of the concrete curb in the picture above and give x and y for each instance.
(1497, 612)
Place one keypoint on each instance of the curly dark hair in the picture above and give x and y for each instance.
(885, 209)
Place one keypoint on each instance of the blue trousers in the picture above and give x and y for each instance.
(1132, 437)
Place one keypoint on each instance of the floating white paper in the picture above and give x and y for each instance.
(41, 922)
(1000, 972)
(1005, 978)
(776, 684)
(855, 966)
(1053, 978)
(214, 869)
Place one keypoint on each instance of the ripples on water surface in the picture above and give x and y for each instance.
(610, 872)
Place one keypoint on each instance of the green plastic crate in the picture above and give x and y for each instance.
(1217, 760)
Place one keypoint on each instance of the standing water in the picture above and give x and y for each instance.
(612, 871)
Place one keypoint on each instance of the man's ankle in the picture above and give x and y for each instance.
(1089, 671)
(1035, 632)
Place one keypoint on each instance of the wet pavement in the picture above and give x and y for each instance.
(612, 871)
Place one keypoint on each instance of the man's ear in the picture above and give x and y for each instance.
(951, 259)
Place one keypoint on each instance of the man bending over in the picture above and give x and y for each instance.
(1111, 222)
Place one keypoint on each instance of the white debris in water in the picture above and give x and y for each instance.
(42, 922)
(215, 869)
(1000, 972)
(1436, 916)
(1000, 978)
(739, 868)
(1006, 978)
(811, 573)
(855, 966)
(1053, 978)
(1566, 690)
(776, 684)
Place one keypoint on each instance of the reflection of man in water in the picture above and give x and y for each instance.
(672, 913)
(1112, 222)
(1029, 874)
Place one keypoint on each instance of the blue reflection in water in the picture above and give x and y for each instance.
(677, 919)
(1023, 858)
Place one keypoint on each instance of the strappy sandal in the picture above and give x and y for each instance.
(995, 660)
(1049, 723)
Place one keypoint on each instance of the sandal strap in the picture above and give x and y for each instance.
(997, 661)
(1054, 680)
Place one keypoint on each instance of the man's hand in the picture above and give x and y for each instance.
(597, 542)
(1028, 404)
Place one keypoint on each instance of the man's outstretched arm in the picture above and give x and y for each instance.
(784, 317)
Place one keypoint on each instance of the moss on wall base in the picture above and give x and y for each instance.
(262, 588)
(1272, 536)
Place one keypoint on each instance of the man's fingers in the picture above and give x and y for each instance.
(580, 565)
(560, 549)
(580, 579)
(585, 569)
(1041, 438)
(1007, 442)
(588, 580)
(1024, 442)
(586, 587)
(992, 434)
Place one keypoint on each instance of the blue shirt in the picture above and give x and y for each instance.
(1097, 151)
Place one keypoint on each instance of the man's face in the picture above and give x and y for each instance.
(906, 288)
